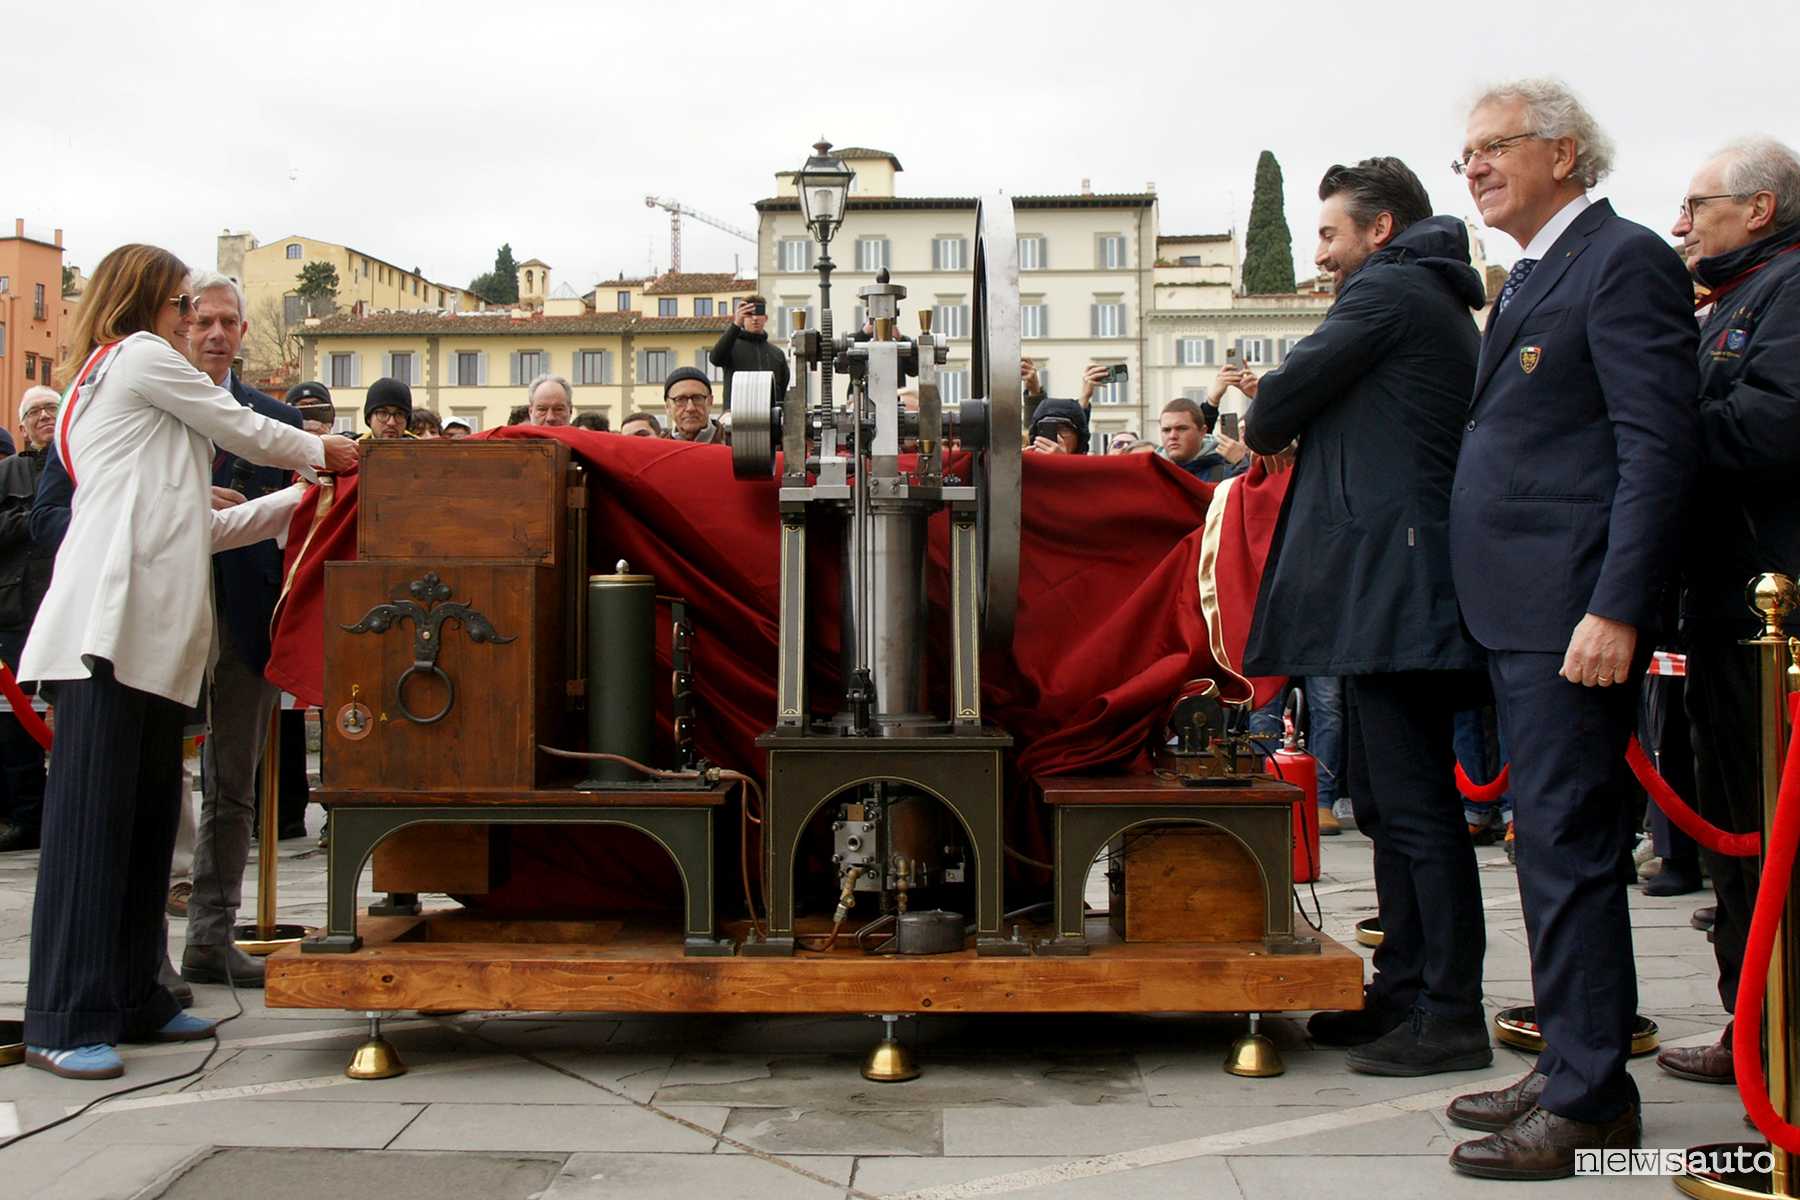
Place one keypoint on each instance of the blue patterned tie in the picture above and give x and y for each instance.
(1515, 279)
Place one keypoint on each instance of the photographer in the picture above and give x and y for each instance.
(1358, 585)
(1058, 427)
(1095, 376)
(745, 346)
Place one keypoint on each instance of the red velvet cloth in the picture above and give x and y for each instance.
(1109, 628)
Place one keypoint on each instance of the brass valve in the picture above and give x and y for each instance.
(847, 898)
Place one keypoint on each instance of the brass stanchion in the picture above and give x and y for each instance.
(266, 936)
(1733, 1165)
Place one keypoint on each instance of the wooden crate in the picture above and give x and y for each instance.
(509, 697)
(1184, 884)
(503, 501)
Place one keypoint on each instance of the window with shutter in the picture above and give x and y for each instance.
(1254, 351)
(343, 370)
(1111, 252)
(953, 385)
(1034, 319)
(467, 369)
(796, 254)
(593, 367)
(949, 254)
(668, 306)
(872, 253)
(624, 301)
(1031, 252)
(1108, 319)
(293, 309)
(703, 306)
(655, 365)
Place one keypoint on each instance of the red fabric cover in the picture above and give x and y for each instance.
(1109, 626)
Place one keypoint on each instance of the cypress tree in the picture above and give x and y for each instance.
(1268, 247)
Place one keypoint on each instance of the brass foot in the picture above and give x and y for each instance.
(1254, 1056)
(1731, 1171)
(375, 1058)
(889, 1061)
(254, 939)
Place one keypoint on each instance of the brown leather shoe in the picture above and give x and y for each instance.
(1329, 825)
(1494, 1111)
(179, 892)
(1542, 1145)
(1702, 1064)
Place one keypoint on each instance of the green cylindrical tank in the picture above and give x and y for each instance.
(621, 636)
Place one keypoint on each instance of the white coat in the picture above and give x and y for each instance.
(133, 583)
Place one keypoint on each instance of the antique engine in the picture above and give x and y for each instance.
(916, 794)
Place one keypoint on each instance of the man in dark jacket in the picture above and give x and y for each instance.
(1189, 442)
(25, 570)
(745, 346)
(1576, 466)
(245, 584)
(1740, 231)
(1058, 427)
(1358, 585)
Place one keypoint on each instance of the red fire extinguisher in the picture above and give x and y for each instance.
(1292, 764)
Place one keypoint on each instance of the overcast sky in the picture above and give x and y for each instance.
(429, 133)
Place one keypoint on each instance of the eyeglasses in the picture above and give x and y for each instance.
(386, 414)
(689, 401)
(183, 303)
(37, 410)
(1487, 153)
(1690, 203)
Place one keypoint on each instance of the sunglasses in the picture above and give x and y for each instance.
(183, 303)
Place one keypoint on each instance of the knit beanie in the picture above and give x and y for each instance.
(388, 393)
(681, 373)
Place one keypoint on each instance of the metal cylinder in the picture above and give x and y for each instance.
(621, 633)
(893, 627)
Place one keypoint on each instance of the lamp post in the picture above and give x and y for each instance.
(823, 182)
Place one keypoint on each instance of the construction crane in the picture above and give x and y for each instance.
(677, 210)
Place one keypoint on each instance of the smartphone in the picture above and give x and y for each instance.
(1231, 356)
(1228, 425)
(1117, 372)
(760, 308)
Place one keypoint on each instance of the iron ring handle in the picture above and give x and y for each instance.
(400, 693)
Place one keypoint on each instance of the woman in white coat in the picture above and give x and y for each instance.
(124, 636)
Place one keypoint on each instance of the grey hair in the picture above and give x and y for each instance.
(1554, 111)
(201, 282)
(1762, 164)
(541, 380)
(34, 394)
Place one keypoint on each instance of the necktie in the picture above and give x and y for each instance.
(1515, 279)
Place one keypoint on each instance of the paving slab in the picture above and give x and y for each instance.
(562, 1127)
(837, 1083)
(310, 1174)
(742, 1177)
(1104, 1129)
(305, 1123)
(827, 1131)
(1210, 1178)
(1384, 1177)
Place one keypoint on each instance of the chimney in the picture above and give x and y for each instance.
(19, 227)
(1150, 187)
(1087, 187)
(59, 239)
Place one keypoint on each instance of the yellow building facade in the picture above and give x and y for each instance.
(270, 272)
(477, 366)
(673, 294)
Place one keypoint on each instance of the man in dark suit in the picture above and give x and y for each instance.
(1358, 585)
(245, 585)
(1577, 459)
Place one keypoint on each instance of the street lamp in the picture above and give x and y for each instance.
(824, 185)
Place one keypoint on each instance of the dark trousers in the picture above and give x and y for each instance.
(296, 790)
(1663, 731)
(109, 831)
(1400, 765)
(21, 758)
(241, 703)
(1572, 828)
(1722, 709)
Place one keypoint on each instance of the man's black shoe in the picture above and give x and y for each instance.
(1425, 1044)
(17, 837)
(1674, 880)
(1355, 1027)
(1704, 918)
(206, 964)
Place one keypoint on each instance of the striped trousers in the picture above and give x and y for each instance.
(103, 876)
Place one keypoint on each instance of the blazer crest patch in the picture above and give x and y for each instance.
(1529, 357)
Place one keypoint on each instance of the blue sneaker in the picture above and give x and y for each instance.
(98, 1061)
(183, 1028)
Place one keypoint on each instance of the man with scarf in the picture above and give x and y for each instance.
(1740, 232)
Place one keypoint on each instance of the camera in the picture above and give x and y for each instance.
(1050, 427)
(1116, 372)
(760, 308)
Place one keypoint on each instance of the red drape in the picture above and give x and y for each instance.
(1110, 623)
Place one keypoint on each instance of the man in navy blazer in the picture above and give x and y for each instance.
(1577, 458)
(246, 583)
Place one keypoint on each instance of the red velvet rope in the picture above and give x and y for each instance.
(21, 706)
(1483, 793)
(1737, 845)
(1765, 926)
(1684, 818)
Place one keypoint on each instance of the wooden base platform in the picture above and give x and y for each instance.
(453, 960)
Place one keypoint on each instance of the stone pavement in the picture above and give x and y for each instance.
(563, 1107)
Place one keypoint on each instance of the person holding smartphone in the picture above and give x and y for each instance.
(745, 346)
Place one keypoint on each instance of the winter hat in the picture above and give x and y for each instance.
(388, 393)
(682, 373)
